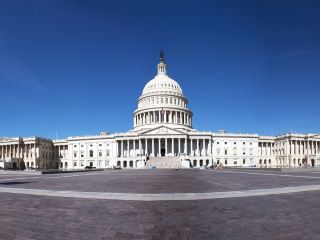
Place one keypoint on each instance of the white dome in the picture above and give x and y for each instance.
(162, 83)
(162, 102)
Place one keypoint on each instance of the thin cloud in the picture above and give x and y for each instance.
(214, 76)
(290, 54)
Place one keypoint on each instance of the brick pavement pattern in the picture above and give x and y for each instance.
(283, 216)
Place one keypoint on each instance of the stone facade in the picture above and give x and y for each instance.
(162, 131)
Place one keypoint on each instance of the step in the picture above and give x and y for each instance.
(164, 162)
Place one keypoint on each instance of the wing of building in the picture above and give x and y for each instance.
(162, 136)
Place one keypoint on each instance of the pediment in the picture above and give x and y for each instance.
(162, 131)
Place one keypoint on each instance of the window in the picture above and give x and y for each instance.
(91, 153)
(82, 154)
(217, 142)
(225, 152)
(244, 153)
(250, 143)
(82, 146)
(75, 154)
(90, 145)
(225, 161)
(74, 164)
(107, 163)
(81, 163)
(100, 154)
(108, 153)
(244, 143)
(100, 145)
(74, 145)
(225, 143)
(234, 162)
(234, 143)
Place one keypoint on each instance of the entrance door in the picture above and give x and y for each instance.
(14, 165)
(163, 152)
(312, 162)
(91, 164)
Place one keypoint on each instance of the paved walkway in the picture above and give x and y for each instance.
(161, 196)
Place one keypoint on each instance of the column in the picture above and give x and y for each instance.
(159, 114)
(18, 150)
(172, 146)
(165, 117)
(210, 145)
(179, 146)
(191, 150)
(153, 153)
(128, 148)
(312, 147)
(134, 148)
(159, 147)
(121, 154)
(140, 150)
(185, 145)
(166, 145)
(117, 149)
(197, 148)
(2, 157)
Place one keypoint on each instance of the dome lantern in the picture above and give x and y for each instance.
(162, 67)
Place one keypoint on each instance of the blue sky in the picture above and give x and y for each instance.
(78, 67)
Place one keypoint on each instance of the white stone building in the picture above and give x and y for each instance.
(162, 136)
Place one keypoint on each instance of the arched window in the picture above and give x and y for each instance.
(194, 163)
(91, 153)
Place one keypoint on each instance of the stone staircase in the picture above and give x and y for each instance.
(164, 162)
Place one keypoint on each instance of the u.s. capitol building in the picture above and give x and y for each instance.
(162, 136)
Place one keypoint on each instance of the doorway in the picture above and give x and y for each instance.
(163, 152)
(14, 165)
(312, 162)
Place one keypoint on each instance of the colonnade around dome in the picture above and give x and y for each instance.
(163, 116)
